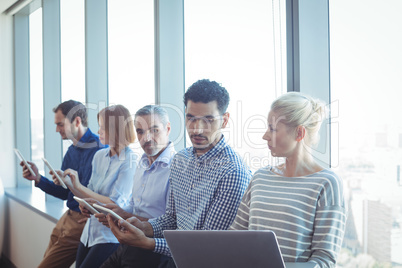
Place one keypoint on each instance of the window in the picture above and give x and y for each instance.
(240, 44)
(365, 68)
(72, 24)
(131, 54)
(36, 88)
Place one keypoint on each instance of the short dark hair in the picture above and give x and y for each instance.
(206, 91)
(71, 109)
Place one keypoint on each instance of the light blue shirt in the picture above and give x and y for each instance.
(151, 185)
(112, 177)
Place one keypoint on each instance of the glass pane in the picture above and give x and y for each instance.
(72, 24)
(240, 44)
(36, 87)
(72, 27)
(366, 81)
(131, 54)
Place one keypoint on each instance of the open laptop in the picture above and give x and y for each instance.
(234, 249)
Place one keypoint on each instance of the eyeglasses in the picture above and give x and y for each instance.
(206, 119)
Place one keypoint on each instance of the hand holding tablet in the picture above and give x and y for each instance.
(55, 173)
(18, 153)
(85, 204)
(108, 211)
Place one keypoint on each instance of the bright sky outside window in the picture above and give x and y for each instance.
(36, 87)
(131, 54)
(240, 44)
(365, 85)
(72, 24)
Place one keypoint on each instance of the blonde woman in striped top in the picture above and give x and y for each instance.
(299, 200)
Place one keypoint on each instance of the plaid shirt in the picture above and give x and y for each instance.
(205, 192)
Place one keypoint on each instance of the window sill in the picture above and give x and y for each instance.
(50, 208)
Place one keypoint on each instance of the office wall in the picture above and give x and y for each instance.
(7, 132)
(27, 235)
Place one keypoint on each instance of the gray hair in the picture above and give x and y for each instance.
(155, 110)
(301, 110)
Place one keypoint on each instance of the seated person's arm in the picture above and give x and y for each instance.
(241, 221)
(141, 236)
(43, 183)
(119, 211)
(27, 174)
(81, 191)
(224, 206)
(328, 233)
(329, 227)
(133, 232)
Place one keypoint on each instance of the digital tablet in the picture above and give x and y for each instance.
(18, 153)
(55, 173)
(108, 211)
(86, 205)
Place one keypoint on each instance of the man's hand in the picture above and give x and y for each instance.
(142, 224)
(115, 208)
(27, 174)
(55, 180)
(129, 234)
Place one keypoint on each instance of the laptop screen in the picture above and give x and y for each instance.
(235, 249)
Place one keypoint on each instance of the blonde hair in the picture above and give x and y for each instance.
(296, 109)
(119, 125)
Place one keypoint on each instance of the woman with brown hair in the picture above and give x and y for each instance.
(111, 181)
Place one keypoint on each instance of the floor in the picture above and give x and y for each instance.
(4, 263)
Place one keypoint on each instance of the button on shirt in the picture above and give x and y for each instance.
(111, 177)
(151, 185)
(205, 192)
(79, 158)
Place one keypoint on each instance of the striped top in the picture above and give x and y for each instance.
(307, 214)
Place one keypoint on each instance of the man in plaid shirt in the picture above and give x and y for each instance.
(207, 182)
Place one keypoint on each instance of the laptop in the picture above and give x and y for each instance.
(234, 249)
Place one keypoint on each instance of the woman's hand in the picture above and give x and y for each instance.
(85, 212)
(115, 208)
(74, 179)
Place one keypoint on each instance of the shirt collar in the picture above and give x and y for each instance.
(164, 157)
(123, 154)
(213, 151)
(85, 138)
(88, 140)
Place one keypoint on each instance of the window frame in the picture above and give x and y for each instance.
(308, 56)
(169, 65)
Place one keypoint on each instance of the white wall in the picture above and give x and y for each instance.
(7, 127)
(27, 235)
